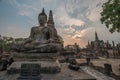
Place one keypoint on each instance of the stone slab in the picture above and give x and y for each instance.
(34, 56)
(65, 74)
(46, 66)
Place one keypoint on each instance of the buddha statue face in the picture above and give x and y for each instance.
(42, 18)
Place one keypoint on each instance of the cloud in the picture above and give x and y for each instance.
(77, 36)
(86, 10)
(24, 9)
(14, 31)
(103, 34)
(88, 15)
(75, 20)
(65, 19)
(47, 1)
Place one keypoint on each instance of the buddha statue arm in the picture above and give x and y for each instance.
(32, 33)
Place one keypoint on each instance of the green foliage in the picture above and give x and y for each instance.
(61, 40)
(19, 39)
(67, 48)
(110, 15)
(4, 45)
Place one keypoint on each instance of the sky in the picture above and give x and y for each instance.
(75, 20)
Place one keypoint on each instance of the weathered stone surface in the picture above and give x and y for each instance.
(51, 67)
(96, 74)
(30, 72)
(28, 69)
(108, 69)
(43, 38)
(65, 74)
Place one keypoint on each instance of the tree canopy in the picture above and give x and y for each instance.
(110, 16)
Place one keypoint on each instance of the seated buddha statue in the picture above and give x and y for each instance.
(44, 37)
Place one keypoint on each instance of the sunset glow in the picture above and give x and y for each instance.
(76, 21)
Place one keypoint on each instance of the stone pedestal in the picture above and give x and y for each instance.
(34, 56)
(47, 66)
(29, 71)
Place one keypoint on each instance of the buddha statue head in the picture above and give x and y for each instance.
(42, 18)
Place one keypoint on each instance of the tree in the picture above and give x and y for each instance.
(6, 44)
(61, 40)
(110, 15)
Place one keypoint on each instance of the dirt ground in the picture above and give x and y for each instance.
(114, 62)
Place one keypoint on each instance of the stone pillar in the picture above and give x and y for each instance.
(50, 20)
(108, 69)
(88, 61)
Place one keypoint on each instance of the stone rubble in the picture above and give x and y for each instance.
(96, 74)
